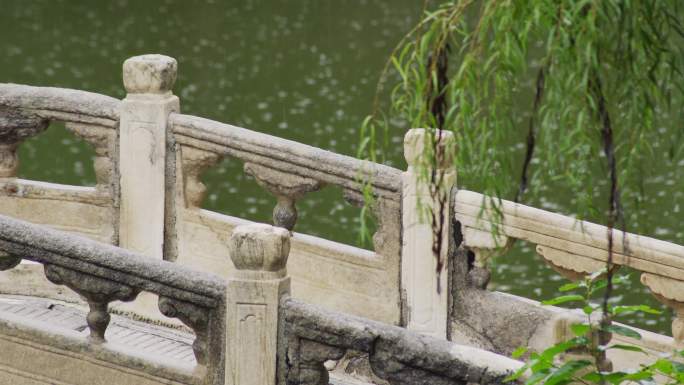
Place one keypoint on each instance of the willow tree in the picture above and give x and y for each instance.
(606, 80)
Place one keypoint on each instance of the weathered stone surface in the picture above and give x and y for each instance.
(260, 247)
(61, 104)
(47, 246)
(149, 74)
(396, 355)
(260, 253)
(8, 261)
(285, 155)
(147, 164)
(98, 292)
(196, 318)
(425, 230)
(194, 162)
(671, 293)
(15, 127)
(43, 343)
(287, 188)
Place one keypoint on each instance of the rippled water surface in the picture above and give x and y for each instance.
(303, 70)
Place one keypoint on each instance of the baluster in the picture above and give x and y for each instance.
(98, 292)
(484, 245)
(197, 319)
(311, 358)
(287, 188)
(15, 127)
(103, 141)
(194, 162)
(669, 292)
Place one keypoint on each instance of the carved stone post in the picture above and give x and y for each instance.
(259, 253)
(424, 287)
(144, 158)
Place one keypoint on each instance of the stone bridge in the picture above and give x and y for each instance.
(132, 282)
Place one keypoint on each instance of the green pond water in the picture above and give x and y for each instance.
(302, 70)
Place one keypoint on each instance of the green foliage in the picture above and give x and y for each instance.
(609, 65)
(581, 359)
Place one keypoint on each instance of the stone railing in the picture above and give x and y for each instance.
(149, 194)
(148, 199)
(400, 357)
(248, 331)
(574, 249)
(102, 274)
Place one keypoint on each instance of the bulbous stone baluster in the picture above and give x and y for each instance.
(287, 188)
(15, 127)
(99, 292)
(196, 318)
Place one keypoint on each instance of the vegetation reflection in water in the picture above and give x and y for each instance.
(302, 70)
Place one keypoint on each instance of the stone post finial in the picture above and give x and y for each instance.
(253, 296)
(149, 74)
(260, 248)
(415, 146)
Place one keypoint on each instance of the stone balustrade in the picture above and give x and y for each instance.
(395, 355)
(102, 273)
(246, 324)
(150, 158)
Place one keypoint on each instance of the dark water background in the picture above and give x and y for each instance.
(302, 70)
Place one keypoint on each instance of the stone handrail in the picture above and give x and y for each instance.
(572, 247)
(396, 355)
(285, 155)
(102, 273)
(61, 104)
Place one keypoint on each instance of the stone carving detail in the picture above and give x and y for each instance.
(311, 361)
(103, 140)
(670, 292)
(15, 127)
(196, 318)
(570, 266)
(195, 161)
(99, 292)
(315, 336)
(287, 188)
(484, 246)
(8, 261)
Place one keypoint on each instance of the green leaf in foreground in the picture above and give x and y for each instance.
(623, 331)
(563, 299)
(580, 329)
